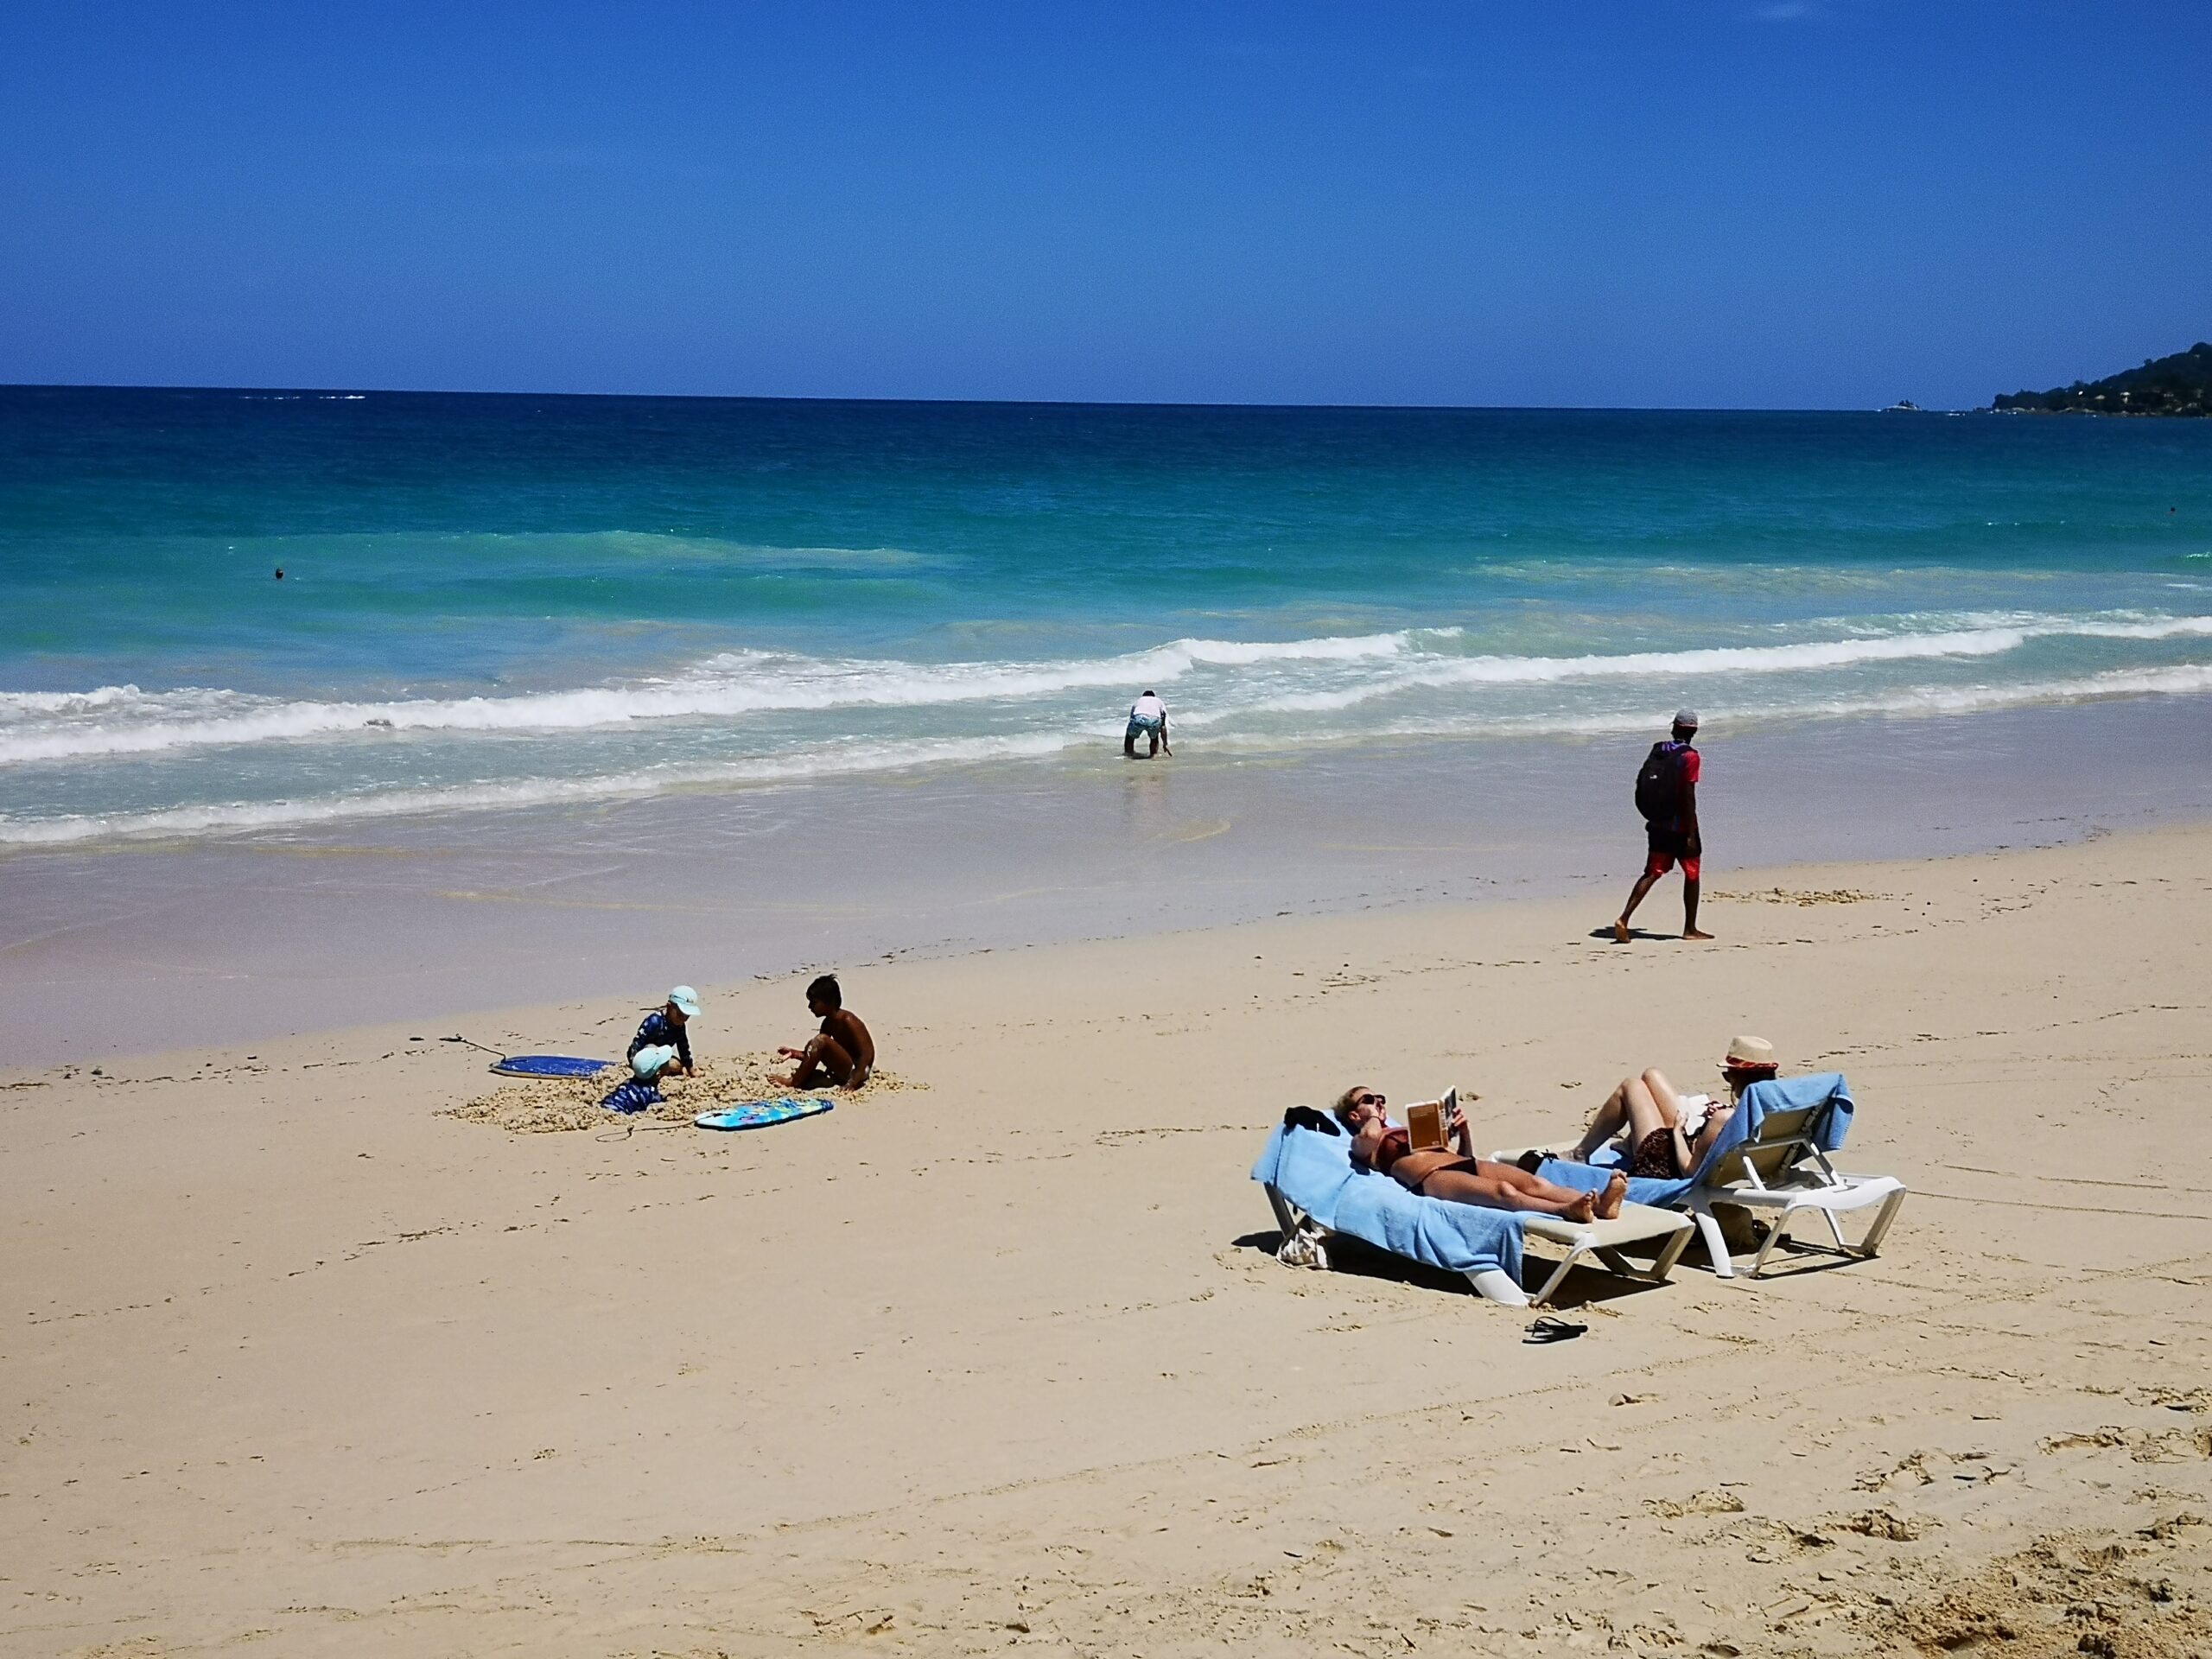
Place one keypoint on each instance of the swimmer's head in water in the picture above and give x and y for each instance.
(825, 993)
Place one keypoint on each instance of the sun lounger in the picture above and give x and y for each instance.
(1772, 1157)
(1318, 1193)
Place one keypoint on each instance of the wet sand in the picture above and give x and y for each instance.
(134, 947)
(302, 1363)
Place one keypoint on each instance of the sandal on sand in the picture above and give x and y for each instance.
(1551, 1330)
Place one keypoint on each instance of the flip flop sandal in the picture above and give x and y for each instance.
(1550, 1329)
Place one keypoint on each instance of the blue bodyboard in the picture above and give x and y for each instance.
(763, 1114)
(550, 1065)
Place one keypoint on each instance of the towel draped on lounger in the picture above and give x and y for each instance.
(1315, 1171)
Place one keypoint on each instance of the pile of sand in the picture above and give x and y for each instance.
(545, 1105)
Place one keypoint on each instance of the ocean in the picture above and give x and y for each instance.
(495, 602)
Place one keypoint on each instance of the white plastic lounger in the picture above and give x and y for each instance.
(1782, 1167)
(1306, 1243)
(1636, 1223)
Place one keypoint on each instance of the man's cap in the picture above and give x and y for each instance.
(1750, 1052)
(649, 1062)
(686, 1001)
(1686, 717)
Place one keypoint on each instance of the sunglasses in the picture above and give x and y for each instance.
(1367, 1100)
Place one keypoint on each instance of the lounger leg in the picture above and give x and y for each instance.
(1663, 1268)
(1558, 1275)
(1835, 1230)
(1773, 1237)
(1496, 1285)
(1716, 1243)
(1882, 1219)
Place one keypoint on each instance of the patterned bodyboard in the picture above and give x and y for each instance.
(763, 1115)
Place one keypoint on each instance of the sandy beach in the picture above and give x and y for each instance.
(302, 1364)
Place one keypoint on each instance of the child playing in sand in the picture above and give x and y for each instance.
(663, 1027)
(843, 1053)
(1455, 1174)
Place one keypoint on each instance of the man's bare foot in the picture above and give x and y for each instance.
(1585, 1208)
(1693, 933)
(1608, 1201)
(1620, 932)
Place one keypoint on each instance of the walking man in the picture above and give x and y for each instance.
(1666, 794)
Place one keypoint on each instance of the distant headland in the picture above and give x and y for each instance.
(2180, 384)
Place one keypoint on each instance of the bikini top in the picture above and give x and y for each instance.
(1393, 1146)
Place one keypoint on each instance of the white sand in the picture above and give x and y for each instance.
(298, 1364)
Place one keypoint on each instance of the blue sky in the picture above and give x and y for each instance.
(1802, 203)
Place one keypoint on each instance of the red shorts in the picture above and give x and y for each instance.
(1666, 847)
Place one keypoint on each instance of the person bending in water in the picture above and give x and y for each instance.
(841, 1052)
(1456, 1174)
(1664, 1135)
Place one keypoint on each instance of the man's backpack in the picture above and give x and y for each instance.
(1659, 789)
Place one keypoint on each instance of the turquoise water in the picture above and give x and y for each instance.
(491, 602)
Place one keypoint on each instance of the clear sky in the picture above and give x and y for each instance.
(1804, 203)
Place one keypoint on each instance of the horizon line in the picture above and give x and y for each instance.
(1005, 403)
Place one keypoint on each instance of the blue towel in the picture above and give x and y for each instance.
(1775, 1095)
(1315, 1171)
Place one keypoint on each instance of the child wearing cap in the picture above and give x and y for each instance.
(642, 1090)
(663, 1027)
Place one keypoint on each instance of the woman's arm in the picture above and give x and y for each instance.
(1696, 1151)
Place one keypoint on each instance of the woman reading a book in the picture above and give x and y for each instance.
(1451, 1172)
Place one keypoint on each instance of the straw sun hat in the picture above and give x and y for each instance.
(1747, 1052)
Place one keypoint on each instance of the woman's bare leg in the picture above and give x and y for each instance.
(1612, 1119)
(824, 1060)
(1664, 1097)
(1463, 1186)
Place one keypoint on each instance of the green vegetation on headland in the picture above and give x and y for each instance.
(2180, 384)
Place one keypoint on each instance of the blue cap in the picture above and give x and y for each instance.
(650, 1061)
(686, 1001)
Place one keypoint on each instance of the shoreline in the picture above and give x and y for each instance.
(1007, 1349)
(248, 939)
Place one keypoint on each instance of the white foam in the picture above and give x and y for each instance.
(244, 816)
(1226, 681)
(123, 720)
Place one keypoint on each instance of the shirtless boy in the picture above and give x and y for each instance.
(843, 1053)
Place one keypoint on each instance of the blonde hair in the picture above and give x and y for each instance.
(1345, 1101)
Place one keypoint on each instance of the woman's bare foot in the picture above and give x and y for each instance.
(1583, 1209)
(1608, 1201)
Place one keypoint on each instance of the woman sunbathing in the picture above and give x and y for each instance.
(1456, 1174)
(1666, 1135)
